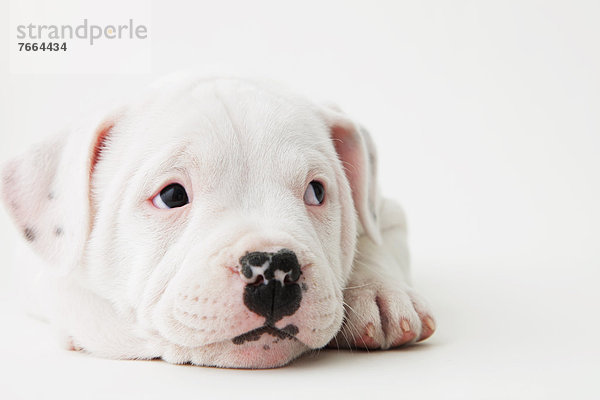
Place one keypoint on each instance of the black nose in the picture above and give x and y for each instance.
(272, 291)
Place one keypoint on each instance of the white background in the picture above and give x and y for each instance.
(486, 115)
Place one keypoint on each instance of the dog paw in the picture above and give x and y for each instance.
(381, 317)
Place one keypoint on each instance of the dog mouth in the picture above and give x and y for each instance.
(288, 332)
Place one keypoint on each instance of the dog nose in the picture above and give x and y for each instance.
(271, 289)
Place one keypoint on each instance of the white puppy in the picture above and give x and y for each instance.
(221, 222)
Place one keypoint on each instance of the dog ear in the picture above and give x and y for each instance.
(357, 153)
(47, 192)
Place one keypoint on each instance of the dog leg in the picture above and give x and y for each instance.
(381, 308)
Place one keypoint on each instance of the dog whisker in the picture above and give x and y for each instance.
(358, 287)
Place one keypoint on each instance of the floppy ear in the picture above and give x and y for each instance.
(355, 149)
(47, 193)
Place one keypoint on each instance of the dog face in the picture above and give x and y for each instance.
(215, 216)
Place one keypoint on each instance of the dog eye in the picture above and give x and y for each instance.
(171, 196)
(315, 193)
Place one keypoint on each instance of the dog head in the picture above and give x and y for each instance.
(218, 215)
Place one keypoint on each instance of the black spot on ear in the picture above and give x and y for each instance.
(304, 286)
(50, 195)
(58, 231)
(29, 234)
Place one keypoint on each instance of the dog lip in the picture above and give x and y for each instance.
(288, 332)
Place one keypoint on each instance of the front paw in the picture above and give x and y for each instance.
(380, 316)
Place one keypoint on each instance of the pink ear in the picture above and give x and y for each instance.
(100, 143)
(46, 191)
(357, 154)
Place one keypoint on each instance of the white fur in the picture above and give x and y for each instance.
(124, 279)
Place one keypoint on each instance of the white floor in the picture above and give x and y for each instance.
(501, 335)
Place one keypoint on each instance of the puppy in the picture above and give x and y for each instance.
(220, 222)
